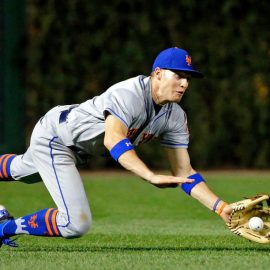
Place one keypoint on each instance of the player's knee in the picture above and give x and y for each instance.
(78, 228)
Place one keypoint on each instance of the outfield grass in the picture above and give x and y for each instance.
(138, 226)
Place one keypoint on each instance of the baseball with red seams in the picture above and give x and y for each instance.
(255, 224)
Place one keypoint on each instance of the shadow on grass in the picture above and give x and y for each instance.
(106, 249)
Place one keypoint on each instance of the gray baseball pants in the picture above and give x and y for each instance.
(56, 163)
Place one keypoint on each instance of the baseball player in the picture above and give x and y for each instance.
(129, 113)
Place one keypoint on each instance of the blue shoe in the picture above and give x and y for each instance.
(4, 219)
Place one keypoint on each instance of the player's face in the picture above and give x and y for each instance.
(172, 85)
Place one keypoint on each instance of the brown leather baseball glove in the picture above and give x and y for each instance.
(243, 211)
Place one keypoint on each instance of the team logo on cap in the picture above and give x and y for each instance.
(188, 60)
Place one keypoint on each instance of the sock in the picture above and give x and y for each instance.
(5, 162)
(41, 223)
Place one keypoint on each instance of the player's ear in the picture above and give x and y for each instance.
(158, 73)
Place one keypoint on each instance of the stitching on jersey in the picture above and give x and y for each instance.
(114, 113)
(144, 97)
(174, 144)
(155, 119)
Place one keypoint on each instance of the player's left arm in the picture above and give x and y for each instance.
(180, 166)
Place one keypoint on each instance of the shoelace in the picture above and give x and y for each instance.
(7, 241)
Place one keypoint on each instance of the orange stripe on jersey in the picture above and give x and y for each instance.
(54, 222)
(47, 221)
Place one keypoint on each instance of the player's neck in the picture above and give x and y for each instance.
(156, 99)
(154, 90)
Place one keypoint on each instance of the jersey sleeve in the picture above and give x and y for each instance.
(176, 134)
(123, 104)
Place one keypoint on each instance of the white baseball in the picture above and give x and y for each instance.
(2, 207)
(255, 224)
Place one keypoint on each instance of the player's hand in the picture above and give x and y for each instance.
(164, 181)
(225, 215)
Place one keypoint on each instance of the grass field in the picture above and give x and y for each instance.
(138, 226)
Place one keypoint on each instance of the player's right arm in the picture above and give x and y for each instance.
(115, 132)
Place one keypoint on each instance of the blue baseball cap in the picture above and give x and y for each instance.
(176, 59)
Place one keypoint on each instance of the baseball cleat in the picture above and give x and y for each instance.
(4, 218)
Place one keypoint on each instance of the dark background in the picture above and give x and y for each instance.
(64, 52)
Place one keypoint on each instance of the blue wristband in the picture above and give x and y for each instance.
(120, 148)
(187, 187)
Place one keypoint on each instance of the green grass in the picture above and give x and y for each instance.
(137, 226)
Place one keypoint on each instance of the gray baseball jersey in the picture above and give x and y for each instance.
(82, 126)
(131, 102)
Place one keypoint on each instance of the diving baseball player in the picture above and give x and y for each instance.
(128, 114)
